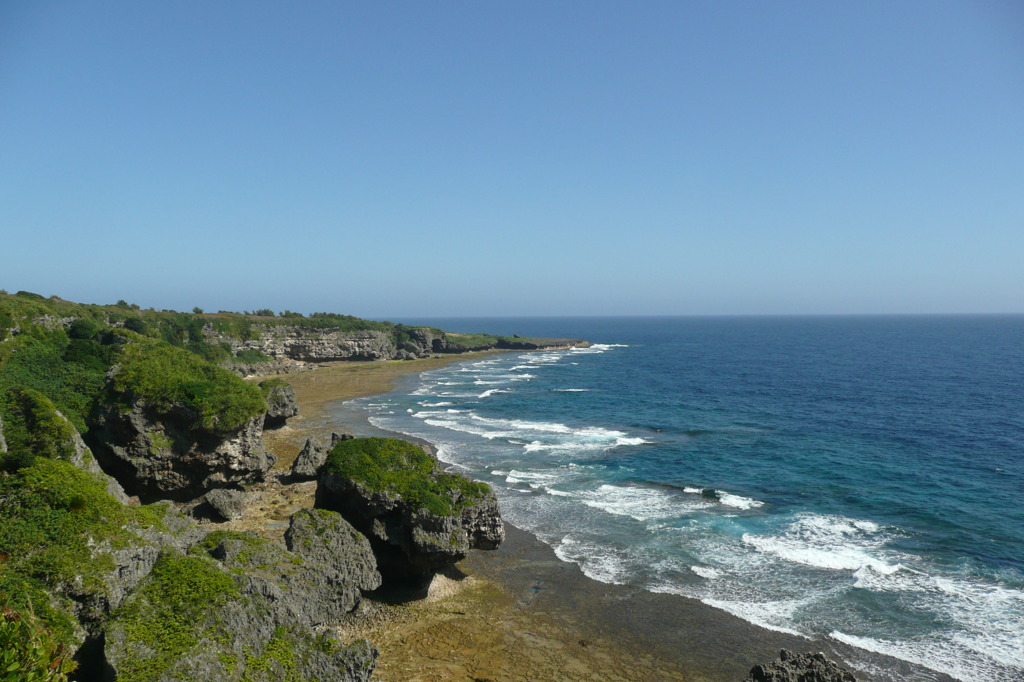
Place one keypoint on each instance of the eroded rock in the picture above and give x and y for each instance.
(162, 454)
(800, 668)
(417, 530)
(281, 403)
(230, 504)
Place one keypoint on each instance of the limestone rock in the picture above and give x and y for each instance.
(800, 668)
(306, 586)
(230, 504)
(411, 542)
(161, 454)
(325, 538)
(311, 458)
(224, 628)
(281, 403)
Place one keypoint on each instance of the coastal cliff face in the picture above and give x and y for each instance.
(309, 345)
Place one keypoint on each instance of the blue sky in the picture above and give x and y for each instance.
(516, 158)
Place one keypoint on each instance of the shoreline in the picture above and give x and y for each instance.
(519, 612)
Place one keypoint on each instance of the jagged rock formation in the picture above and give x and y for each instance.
(800, 668)
(311, 458)
(281, 402)
(413, 538)
(343, 555)
(163, 454)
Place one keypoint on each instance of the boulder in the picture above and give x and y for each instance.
(325, 538)
(412, 537)
(230, 504)
(281, 403)
(307, 586)
(800, 668)
(162, 453)
(311, 458)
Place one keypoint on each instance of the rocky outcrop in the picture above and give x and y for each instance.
(800, 668)
(200, 619)
(229, 504)
(311, 458)
(415, 538)
(281, 402)
(344, 556)
(162, 454)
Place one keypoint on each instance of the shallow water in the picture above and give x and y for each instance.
(868, 470)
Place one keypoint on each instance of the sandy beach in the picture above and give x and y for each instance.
(520, 613)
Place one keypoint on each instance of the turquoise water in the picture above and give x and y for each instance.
(869, 470)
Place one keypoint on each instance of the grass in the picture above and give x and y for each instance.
(403, 468)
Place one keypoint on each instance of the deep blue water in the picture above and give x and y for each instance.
(870, 470)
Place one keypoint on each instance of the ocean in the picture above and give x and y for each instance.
(851, 478)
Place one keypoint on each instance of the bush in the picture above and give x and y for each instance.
(403, 468)
(163, 376)
(250, 356)
(28, 652)
(33, 428)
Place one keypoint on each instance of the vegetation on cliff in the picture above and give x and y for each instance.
(164, 376)
(55, 524)
(403, 468)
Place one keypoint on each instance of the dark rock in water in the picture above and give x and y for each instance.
(411, 542)
(800, 668)
(710, 494)
(281, 403)
(311, 458)
(162, 454)
(324, 538)
(230, 504)
(196, 619)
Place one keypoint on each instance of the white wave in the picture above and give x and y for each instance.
(738, 501)
(706, 572)
(499, 472)
(773, 615)
(571, 390)
(597, 561)
(823, 541)
(481, 382)
(638, 502)
(427, 403)
(491, 391)
(558, 493)
(942, 657)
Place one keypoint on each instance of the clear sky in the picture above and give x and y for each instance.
(390, 159)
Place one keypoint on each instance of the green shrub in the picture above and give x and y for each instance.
(403, 468)
(162, 376)
(33, 428)
(251, 356)
(166, 617)
(28, 652)
(53, 516)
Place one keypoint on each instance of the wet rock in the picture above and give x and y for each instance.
(230, 504)
(800, 668)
